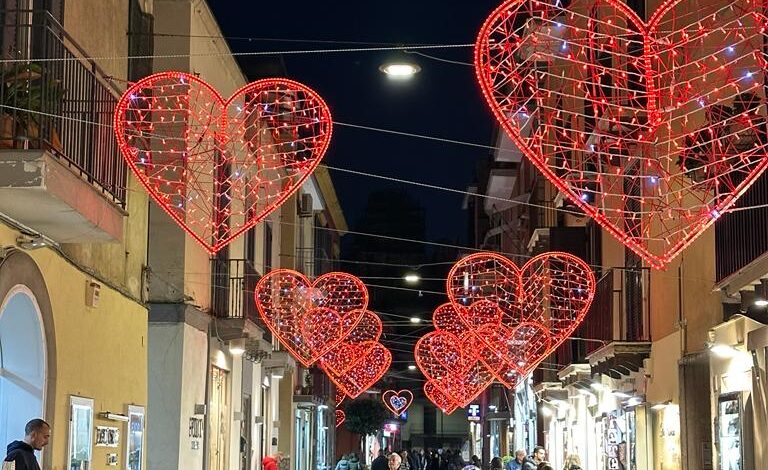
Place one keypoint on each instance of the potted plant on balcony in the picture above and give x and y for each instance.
(26, 90)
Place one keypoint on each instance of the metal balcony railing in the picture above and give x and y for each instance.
(620, 310)
(53, 97)
(234, 283)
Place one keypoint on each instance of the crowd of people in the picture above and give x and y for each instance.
(450, 459)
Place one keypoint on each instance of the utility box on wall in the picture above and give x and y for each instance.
(92, 293)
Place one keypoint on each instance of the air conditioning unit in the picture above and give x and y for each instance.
(305, 205)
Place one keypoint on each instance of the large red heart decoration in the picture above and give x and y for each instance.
(397, 402)
(310, 318)
(219, 166)
(538, 306)
(654, 129)
(340, 417)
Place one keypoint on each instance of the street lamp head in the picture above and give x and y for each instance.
(400, 70)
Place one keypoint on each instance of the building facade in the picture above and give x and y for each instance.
(73, 237)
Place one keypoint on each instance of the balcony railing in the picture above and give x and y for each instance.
(56, 99)
(620, 310)
(234, 282)
(741, 237)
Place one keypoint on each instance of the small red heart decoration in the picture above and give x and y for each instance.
(364, 336)
(654, 129)
(340, 417)
(452, 365)
(219, 166)
(397, 402)
(310, 318)
(364, 373)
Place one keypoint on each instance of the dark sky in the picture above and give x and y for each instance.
(443, 100)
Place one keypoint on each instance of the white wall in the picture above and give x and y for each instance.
(177, 373)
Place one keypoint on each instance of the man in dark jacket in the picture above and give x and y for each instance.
(380, 462)
(22, 453)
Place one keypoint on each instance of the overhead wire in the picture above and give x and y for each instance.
(243, 54)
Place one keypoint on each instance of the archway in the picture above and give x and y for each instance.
(22, 362)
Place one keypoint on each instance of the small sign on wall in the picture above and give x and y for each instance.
(107, 436)
(112, 460)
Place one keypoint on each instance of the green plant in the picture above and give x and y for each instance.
(366, 416)
(30, 87)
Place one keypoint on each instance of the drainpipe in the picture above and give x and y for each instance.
(206, 438)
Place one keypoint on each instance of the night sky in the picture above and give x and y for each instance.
(443, 100)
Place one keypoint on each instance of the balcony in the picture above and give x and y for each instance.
(501, 183)
(232, 303)
(620, 317)
(60, 170)
(741, 241)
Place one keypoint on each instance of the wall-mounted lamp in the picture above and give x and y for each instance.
(237, 346)
(114, 416)
(661, 406)
(276, 373)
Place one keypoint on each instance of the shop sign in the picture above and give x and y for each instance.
(195, 432)
(473, 413)
(615, 444)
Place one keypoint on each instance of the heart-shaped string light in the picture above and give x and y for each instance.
(501, 323)
(310, 318)
(397, 402)
(654, 129)
(219, 166)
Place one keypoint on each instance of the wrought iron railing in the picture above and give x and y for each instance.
(234, 283)
(54, 97)
(620, 310)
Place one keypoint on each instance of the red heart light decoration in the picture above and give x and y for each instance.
(397, 402)
(219, 166)
(339, 397)
(310, 318)
(540, 305)
(451, 364)
(364, 373)
(442, 400)
(340, 417)
(447, 317)
(654, 129)
(364, 336)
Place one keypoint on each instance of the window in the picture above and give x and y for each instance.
(135, 454)
(80, 433)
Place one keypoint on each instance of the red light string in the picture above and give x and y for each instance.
(217, 166)
(653, 129)
(501, 322)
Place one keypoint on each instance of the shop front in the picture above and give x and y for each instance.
(737, 410)
(757, 344)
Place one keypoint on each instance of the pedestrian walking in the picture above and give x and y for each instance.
(354, 462)
(380, 462)
(21, 454)
(572, 462)
(343, 463)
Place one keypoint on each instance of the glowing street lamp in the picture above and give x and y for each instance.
(400, 70)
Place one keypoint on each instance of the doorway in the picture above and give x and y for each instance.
(22, 363)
